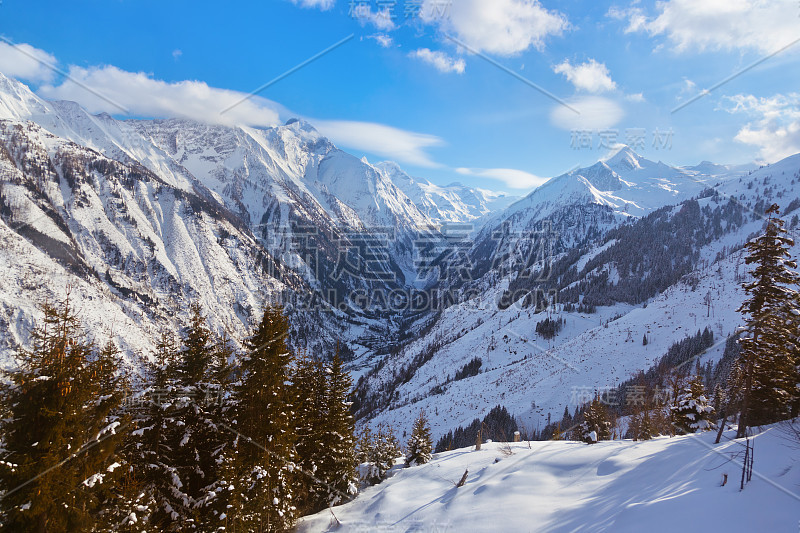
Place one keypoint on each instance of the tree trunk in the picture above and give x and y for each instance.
(721, 427)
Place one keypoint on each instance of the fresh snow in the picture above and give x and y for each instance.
(666, 484)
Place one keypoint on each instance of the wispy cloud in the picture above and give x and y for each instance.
(318, 4)
(513, 178)
(386, 141)
(590, 76)
(439, 60)
(385, 41)
(594, 113)
(144, 96)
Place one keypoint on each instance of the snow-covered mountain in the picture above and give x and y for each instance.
(626, 182)
(665, 276)
(451, 203)
(128, 249)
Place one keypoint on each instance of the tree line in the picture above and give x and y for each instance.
(205, 439)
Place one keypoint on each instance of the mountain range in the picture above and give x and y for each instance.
(133, 219)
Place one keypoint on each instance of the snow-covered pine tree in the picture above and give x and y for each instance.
(338, 440)
(200, 439)
(150, 448)
(596, 425)
(692, 412)
(381, 454)
(364, 444)
(309, 393)
(266, 480)
(61, 430)
(420, 445)
(769, 373)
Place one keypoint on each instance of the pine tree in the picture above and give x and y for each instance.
(642, 424)
(769, 374)
(793, 347)
(420, 444)
(691, 411)
(309, 396)
(596, 425)
(151, 449)
(200, 441)
(338, 461)
(381, 453)
(266, 480)
(62, 430)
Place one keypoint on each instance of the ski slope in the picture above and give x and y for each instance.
(666, 484)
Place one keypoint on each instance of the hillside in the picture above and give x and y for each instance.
(665, 484)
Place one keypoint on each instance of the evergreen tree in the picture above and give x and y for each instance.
(199, 442)
(151, 450)
(596, 425)
(642, 424)
(61, 431)
(382, 453)
(338, 442)
(768, 370)
(420, 444)
(266, 479)
(691, 411)
(310, 387)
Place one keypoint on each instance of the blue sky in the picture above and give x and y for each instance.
(403, 89)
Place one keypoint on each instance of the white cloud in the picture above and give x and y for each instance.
(386, 141)
(590, 76)
(177, 53)
(144, 96)
(503, 27)
(385, 41)
(761, 25)
(594, 113)
(637, 21)
(25, 62)
(440, 60)
(775, 128)
(513, 178)
(636, 97)
(382, 19)
(319, 4)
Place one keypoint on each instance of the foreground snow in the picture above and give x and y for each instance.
(666, 484)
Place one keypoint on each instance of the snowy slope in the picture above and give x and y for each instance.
(662, 485)
(130, 249)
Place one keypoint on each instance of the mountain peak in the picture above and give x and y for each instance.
(623, 157)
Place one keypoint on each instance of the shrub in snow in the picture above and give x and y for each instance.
(377, 454)
(691, 411)
(420, 444)
(596, 424)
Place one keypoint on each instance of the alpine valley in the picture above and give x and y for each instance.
(448, 299)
